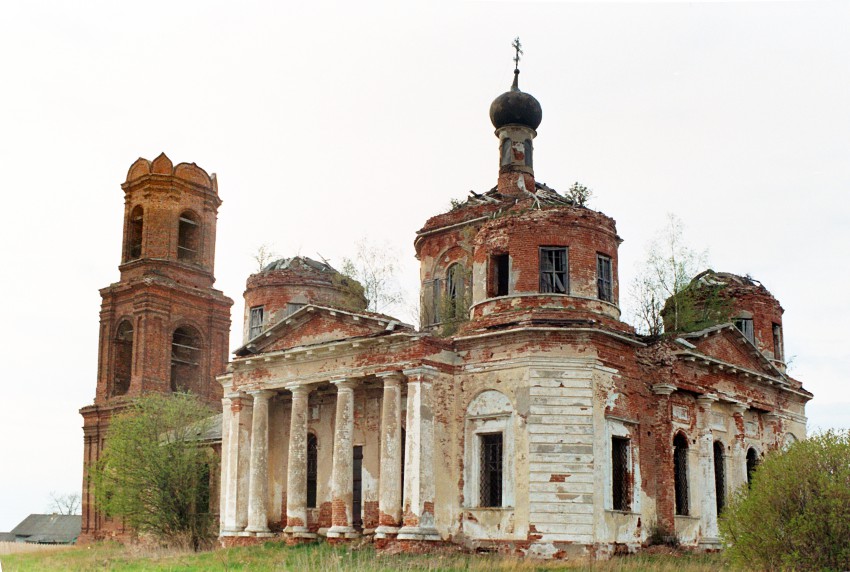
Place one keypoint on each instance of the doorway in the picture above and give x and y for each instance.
(357, 493)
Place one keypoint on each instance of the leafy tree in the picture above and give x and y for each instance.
(154, 473)
(796, 513)
(374, 267)
(667, 270)
(579, 194)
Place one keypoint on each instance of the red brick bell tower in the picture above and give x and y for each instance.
(163, 327)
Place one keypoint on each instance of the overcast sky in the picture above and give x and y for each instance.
(330, 122)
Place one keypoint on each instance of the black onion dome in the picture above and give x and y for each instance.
(515, 106)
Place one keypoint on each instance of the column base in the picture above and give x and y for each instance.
(342, 532)
(299, 532)
(231, 532)
(418, 533)
(710, 543)
(257, 531)
(386, 531)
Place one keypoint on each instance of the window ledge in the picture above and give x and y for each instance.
(623, 512)
(490, 508)
(686, 517)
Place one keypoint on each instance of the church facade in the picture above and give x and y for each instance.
(521, 414)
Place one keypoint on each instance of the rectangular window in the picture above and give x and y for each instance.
(620, 474)
(603, 278)
(255, 325)
(436, 299)
(778, 349)
(499, 275)
(291, 308)
(746, 327)
(553, 270)
(490, 478)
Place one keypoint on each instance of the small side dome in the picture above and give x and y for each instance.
(516, 107)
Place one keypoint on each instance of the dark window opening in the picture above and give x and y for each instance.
(499, 275)
(680, 473)
(357, 492)
(603, 278)
(553, 270)
(752, 464)
(185, 359)
(506, 153)
(134, 238)
(719, 476)
(255, 324)
(403, 458)
(188, 237)
(490, 477)
(778, 349)
(746, 327)
(312, 469)
(455, 292)
(529, 150)
(620, 478)
(123, 367)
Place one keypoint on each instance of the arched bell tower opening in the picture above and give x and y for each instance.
(166, 283)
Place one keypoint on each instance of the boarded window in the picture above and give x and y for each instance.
(455, 308)
(746, 327)
(188, 237)
(505, 154)
(312, 469)
(490, 478)
(778, 349)
(680, 474)
(500, 270)
(255, 327)
(603, 278)
(752, 464)
(185, 359)
(719, 476)
(620, 474)
(293, 307)
(134, 234)
(123, 364)
(553, 270)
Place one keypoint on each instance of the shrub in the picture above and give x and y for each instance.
(796, 513)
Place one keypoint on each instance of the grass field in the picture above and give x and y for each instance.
(326, 558)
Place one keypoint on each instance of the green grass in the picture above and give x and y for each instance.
(325, 558)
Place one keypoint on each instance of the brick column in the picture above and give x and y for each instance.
(258, 481)
(296, 470)
(665, 495)
(235, 462)
(390, 485)
(738, 472)
(705, 474)
(343, 463)
(418, 517)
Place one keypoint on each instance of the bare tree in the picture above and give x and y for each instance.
(374, 266)
(669, 266)
(68, 503)
(264, 254)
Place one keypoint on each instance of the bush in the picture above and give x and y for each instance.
(796, 513)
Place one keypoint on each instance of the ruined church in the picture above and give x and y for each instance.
(521, 414)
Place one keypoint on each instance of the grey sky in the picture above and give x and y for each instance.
(329, 122)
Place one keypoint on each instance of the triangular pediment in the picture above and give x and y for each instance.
(726, 344)
(314, 325)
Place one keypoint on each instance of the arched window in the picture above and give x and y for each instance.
(719, 476)
(188, 237)
(185, 359)
(134, 234)
(123, 364)
(312, 468)
(752, 464)
(680, 473)
(455, 293)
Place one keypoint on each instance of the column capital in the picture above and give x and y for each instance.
(390, 377)
(663, 388)
(345, 383)
(235, 395)
(298, 389)
(707, 399)
(261, 394)
(420, 373)
(738, 408)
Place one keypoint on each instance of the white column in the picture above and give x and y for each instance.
(418, 523)
(390, 485)
(296, 470)
(343, 463)
(236, 507)
(737, 468)
(705, 474)
(224, 481)
(258, 483)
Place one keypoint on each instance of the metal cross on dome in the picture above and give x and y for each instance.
(518, 47)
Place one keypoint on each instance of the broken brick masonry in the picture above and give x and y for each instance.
(539, 422)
